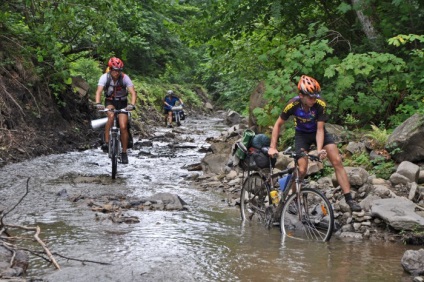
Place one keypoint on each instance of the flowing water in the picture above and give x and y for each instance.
(207, 242)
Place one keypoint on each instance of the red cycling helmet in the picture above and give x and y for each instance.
(115, 64)
(309, 86)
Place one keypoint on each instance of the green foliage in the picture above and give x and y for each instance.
(359, 160)
(233, 93)
(287, 138)
(379, 137)
(89, 70)
(368, 86)
(402, 39)
(152, 91)
(383, 168)
(280, 83)
(327, 170)
(350, 121)
(380, 167)
(229, 46)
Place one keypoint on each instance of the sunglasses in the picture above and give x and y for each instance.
(313, 96)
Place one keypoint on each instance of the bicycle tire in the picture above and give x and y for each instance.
(253, 200)
(316, 222)
(114, 155)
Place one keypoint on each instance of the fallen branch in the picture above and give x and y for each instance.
(43, 245)
(419, 207)
(6, 213)
(82, 260)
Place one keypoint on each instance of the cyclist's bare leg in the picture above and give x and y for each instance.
(170, 117)
(336, 160)
(303, 169)
(123, 125)
(108, 123)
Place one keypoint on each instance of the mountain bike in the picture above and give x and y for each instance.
(115, 148)
(302, 212)
(178, 114)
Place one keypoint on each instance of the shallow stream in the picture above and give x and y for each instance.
(207, 242)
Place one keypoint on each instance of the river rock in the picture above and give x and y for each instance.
(398, 212)
(413, 262)
(409, 138)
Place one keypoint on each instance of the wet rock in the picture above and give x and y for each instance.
(413, 262)
(398, 213)
(62, 193)
(193, 167)
(20, 263)
(171, 201)
(351, 235)
(408, 137)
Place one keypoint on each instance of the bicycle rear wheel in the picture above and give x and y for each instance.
(254, 199)
(114, 157)
(312, 219)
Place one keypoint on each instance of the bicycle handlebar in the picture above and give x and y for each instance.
(115, 111)
(177, 108)
(296, 155)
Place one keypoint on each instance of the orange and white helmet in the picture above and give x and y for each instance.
(115, 64)
(309, 86)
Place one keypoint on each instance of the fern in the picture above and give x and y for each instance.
(379, 136)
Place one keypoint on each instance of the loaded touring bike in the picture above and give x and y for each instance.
(271, 198)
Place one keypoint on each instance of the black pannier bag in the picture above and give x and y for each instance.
(257, 159)
(261, 157)
(181, 113)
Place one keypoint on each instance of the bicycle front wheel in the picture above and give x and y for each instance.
(114, 154)
(254, 199)
(311, 219)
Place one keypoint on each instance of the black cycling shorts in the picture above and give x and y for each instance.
(118, 104)
(304, 141)
(166, 111)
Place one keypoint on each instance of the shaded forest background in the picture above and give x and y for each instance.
(368, 56)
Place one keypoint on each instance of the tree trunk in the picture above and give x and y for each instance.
(366, 21)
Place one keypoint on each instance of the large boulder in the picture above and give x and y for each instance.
(339, 134)
(357, 176)
(406, 143)
(398, 212)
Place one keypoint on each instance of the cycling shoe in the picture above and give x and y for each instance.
(124, 158)
(105, 148)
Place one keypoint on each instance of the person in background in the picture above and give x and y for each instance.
(168, 102)
(309, 111)
(116, 85)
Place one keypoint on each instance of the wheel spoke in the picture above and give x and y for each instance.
(311, 219)
(253, 200)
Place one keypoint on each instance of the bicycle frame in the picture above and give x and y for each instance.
(294, 172)
(176, 114)
(115, 147)
(303, 212)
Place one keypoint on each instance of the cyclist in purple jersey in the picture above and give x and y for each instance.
(309, 111)
(305, 121)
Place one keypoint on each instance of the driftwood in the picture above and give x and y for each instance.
(42, 244)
